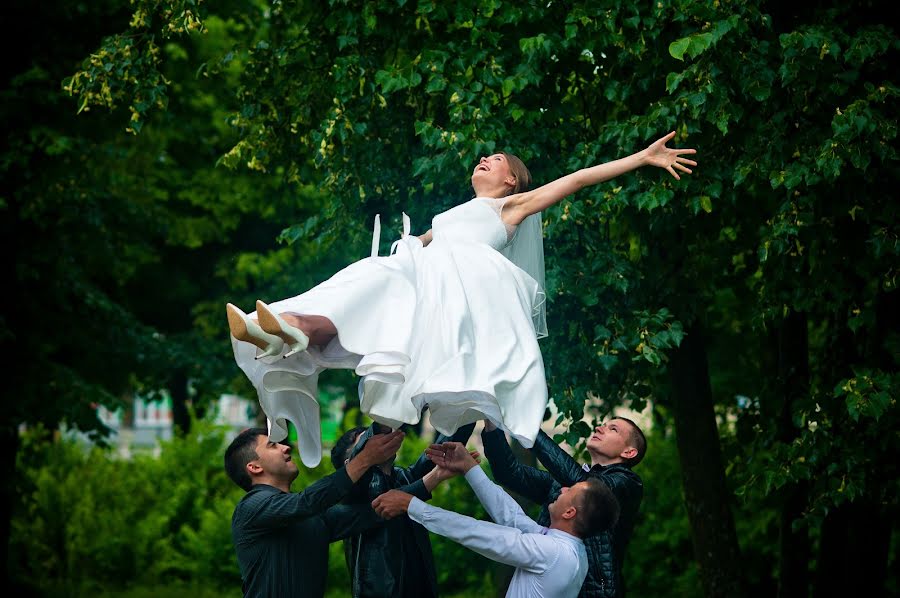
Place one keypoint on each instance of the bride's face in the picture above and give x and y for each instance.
(492, 171)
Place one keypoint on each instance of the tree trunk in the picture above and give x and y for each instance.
(829, 570)
(853, 551)
(706, 494)
(868, 549)
(9, 447)
(854, 547)
(793, 385)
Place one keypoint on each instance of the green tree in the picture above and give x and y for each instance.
(759, 294)
(123, 245)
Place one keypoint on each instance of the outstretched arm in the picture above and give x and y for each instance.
(520, 206)
(268, 510)
(528, 550)
(503, 509)
(560, 464)
(530, 482)
(345, 521)
(423, 465)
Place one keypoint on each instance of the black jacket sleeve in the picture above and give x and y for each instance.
(417, 489)
(564, 469)
(530, 482)
(345, 521)
(263, 509)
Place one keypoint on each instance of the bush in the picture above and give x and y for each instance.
(88, 519)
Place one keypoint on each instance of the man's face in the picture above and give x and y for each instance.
(611, 440)
(568, 497)
(275, 459)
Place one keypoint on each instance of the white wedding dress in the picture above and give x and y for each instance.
(449, 326)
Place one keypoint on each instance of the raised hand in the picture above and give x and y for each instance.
(453, 457)
(378, 449)
(657, 154)
(391, 504)
(381, 447)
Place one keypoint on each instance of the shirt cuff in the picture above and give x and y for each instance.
(416, 509)
(476, 477)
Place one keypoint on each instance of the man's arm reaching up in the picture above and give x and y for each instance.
(529, 551)
(502, 508)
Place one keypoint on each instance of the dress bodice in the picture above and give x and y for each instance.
(476, 220)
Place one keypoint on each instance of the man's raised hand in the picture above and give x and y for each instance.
(378, 449)
(452, 456)
(381, 447)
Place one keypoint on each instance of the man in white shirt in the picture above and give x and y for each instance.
(550, 561)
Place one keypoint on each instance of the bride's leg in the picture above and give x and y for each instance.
(319, 329)
(298, 330)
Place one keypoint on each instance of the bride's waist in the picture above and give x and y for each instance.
(463, 244)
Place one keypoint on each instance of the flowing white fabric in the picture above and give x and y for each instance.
(449, 326)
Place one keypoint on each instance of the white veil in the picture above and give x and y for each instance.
(526, 250)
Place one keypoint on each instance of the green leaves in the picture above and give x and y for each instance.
(535, 47)
(397, 79)
(576, 433)
(696, 44)
(868, 393)
(299, 231)
(127, 68)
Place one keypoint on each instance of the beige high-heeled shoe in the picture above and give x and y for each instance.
(245, 329)
(275, 324)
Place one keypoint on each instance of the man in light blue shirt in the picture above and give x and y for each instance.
(550, 561)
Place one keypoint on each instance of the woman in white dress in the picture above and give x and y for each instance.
(450, 320)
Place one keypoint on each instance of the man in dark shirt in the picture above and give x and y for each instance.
(281, 537)
(393, 560)
(615, 447)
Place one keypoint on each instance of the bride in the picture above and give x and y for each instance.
(449, 321)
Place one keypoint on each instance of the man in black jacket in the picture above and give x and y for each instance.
(392, 560)
(615, 447)
(281, 538)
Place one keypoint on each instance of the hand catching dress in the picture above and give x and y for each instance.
(451, 326)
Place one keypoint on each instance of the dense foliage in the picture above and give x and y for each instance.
(93, 521)
(753, 304)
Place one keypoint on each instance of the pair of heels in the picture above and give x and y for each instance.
(270, 334)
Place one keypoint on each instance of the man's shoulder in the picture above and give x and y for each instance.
(258, 491)
(617, 474)
(256, 494)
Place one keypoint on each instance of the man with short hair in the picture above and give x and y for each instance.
(281, 538)
(550, 561)
(393, 560)
(615, 447)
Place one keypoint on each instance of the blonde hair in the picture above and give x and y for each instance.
(520, 171)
